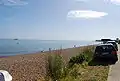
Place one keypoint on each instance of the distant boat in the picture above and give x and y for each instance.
(15, 39)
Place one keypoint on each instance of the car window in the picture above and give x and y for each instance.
(104, 48)
(112, 43)
(98, 49)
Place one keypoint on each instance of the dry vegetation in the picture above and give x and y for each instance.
(36, 67)
(62, 70)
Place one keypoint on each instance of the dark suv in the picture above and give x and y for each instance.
(106, 51)
(114, 44)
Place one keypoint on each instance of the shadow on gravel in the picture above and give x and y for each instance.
(103, 62)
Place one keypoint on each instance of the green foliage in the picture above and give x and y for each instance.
(59, 71)
(77, 59)
(72, 74)
(68, 78)
(56, 66)
(119, 42)
(74, 71)
(86, 55)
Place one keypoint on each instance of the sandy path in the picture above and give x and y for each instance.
(114, 71)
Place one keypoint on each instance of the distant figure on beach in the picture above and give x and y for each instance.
(49, 49)
(74, 46)
(42, 51)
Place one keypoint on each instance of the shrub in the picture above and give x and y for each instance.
(56, 66)
(74, 71)
(119, 42)
(68, 78)
(58, 70)
(77, 59)
(86, 55)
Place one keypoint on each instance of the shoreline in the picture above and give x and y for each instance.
(45, 52)
(42, 51)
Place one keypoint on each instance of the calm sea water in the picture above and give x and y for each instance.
(14, 47)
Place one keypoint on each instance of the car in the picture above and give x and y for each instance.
(105, 51)
(114, 44)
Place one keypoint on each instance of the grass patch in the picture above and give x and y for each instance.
(77, 69)
(56, 66)
(87, 73)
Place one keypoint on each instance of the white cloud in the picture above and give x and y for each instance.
(117, 2)
(85, 14)
(13, 2)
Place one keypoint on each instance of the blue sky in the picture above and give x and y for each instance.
(59, 19)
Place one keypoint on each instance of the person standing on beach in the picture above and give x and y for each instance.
(74, 46)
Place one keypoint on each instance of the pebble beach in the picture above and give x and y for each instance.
(32, 67)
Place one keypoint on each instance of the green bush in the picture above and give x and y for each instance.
(77, 59)
(119, 42)
(58, 70)
(56, 66)
(74, 73)
(86, 55)
(68, 78)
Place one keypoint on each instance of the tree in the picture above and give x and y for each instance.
(117, 40)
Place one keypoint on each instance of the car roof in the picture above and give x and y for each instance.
(111, 41)
(104, 44)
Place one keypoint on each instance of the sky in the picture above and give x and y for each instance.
(59, 19)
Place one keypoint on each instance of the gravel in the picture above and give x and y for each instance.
(32, 67)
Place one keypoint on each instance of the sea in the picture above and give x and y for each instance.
(9, 47)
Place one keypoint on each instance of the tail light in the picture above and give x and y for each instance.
(114, 52)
